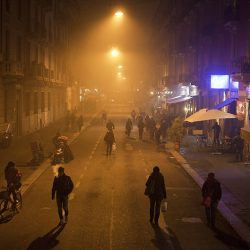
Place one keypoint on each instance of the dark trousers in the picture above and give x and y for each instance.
(210, 213)
(62, 204)
(216, 141)
(155, 205)
(109, 148)
(239, 154)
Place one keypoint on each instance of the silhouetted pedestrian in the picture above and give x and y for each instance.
(238, 146)
(156, 190)
(140, 126)
(217, 129)
(62, 187)
(110, 125)
(109, 138)
(129, 126)
(211, 193)
(80, 123)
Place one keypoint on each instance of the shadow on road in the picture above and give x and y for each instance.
(164, 241)
(231, 241)
(48, 241)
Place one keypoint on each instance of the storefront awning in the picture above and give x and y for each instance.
(178, 99)
(224, 103)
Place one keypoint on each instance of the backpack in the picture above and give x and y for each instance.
(68, 185)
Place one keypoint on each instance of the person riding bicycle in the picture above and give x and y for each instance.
(13, 178)
(110, 125)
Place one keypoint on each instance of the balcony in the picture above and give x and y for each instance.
(12, 69)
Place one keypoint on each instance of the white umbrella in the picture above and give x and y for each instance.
(212, 114)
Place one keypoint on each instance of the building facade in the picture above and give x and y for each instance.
(200, 39)
(35, 75)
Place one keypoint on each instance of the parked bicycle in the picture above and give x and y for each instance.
(7, 202)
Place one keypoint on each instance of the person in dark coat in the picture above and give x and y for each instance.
(217, 129)
(62, 187)
(156, 184)
(211, 190)
(140, 126)
(110, 125)
(129, 126)
(109, 138)
(80, 123)
(238, 146)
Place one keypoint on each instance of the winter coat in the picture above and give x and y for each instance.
(62, 186)
(109, 137)
(159, 185)
(212, 188)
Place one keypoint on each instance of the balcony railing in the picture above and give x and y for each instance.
(12, 69)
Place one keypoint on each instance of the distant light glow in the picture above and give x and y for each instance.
(120, 67)
(119, 73)
(119, 13)
(114, 52)
(151, 92)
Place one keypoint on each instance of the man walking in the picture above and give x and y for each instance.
(140, 126)
(211, 193)
(156, 191)
(217, 129)
(109, 138)
(62, 187)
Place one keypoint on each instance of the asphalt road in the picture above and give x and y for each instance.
(108, 209)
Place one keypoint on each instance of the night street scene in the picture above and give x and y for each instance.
(125, 124)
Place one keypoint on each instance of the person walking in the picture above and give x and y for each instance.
(156, 191)
(109, 138)
(217, 129)
(238, 146)
(129, 127)
(62, 187)
(110, 125)
(80, 123)
(140, 126)
(211, 193)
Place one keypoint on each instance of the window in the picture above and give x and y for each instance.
(35, 102)
(27, 103)
(49, 101)
(42, 102)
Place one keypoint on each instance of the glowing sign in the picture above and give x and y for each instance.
(219, 81)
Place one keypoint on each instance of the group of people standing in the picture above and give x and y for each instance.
(156, 126)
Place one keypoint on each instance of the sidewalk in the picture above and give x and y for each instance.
(20, 152)
(234, 178)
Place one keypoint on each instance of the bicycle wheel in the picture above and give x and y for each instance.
(19, 202)
(5, 205)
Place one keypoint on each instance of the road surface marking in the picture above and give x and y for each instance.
(191, 220)
(81, 176)
(78, 184)
(46, 208)
(111, 221)
(90, 157)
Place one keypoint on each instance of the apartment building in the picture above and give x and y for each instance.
(35, 75)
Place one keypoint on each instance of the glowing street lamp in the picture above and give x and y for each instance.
(115, 52)
(119, 13)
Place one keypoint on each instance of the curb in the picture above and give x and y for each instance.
(237, 224)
